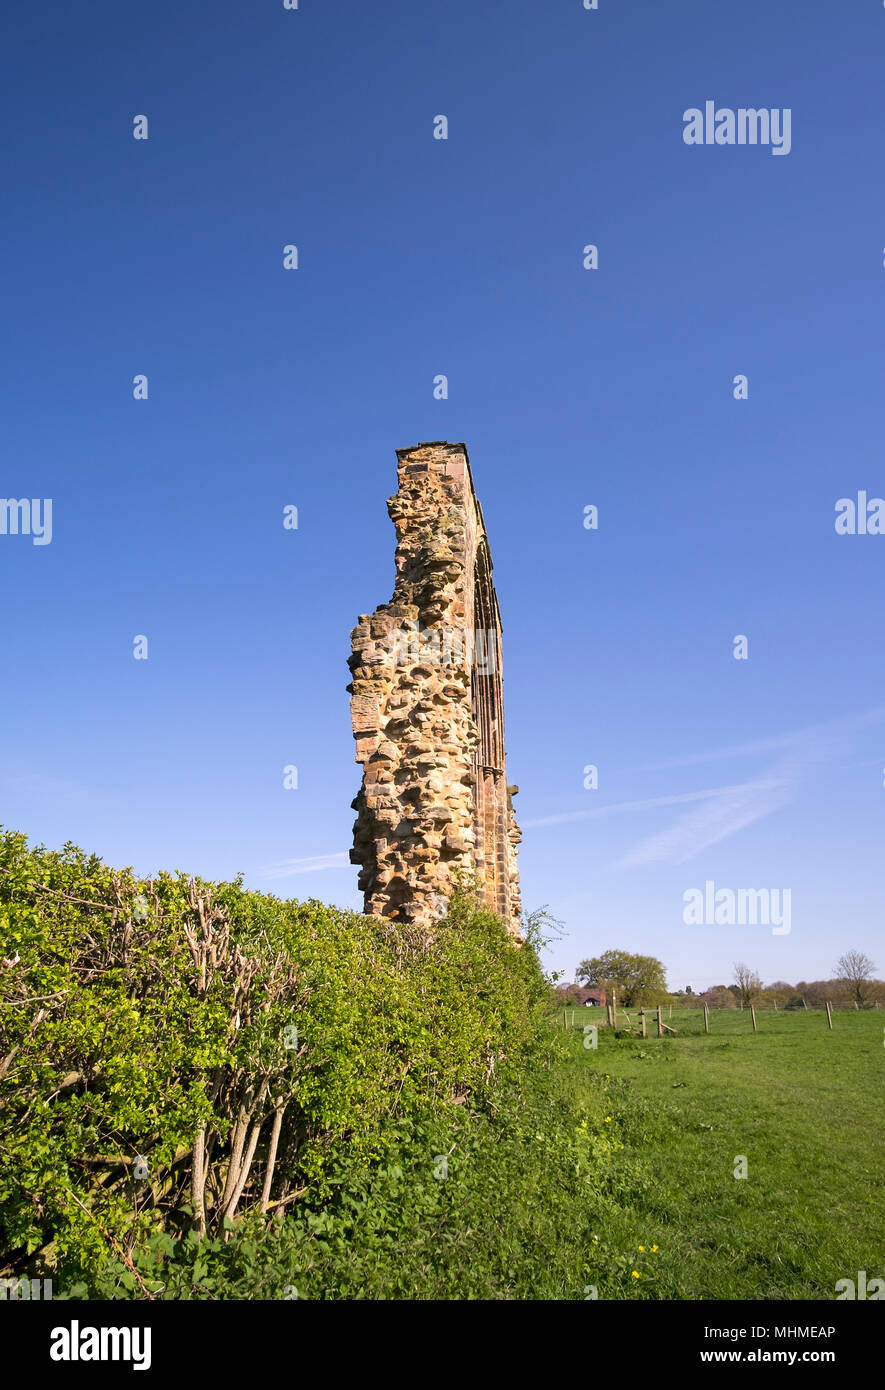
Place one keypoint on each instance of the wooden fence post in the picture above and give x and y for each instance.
(706, 1019)
(642, 1020)
(753, 1015)
(805, 1006)
(829, 1014)
(660, 1022)
(564, 1013)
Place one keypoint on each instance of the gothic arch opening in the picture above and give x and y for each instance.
(491, 819)
(429, 726)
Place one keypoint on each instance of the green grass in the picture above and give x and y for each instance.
(804, 1105)
(610, 1170)
(531, 1181)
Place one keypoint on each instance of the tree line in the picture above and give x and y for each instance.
(642, 980)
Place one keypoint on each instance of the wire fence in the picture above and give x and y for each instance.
(673, 1020)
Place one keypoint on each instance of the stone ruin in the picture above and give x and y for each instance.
(427, 709)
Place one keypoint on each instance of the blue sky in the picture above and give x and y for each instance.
(570, 387)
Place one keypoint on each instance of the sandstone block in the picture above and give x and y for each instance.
(435, 795)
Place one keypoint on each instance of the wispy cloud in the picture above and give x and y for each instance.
(289, 867)
(734, 808)
(723, 811)
(816, 735)
(717, 812)
(619, 807)
(723, 814)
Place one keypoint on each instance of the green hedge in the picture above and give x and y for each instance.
(176, 1053)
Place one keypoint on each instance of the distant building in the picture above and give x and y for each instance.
(576, 994)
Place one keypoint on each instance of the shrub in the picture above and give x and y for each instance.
(176, 1053)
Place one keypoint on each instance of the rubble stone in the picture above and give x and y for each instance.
(427, 708)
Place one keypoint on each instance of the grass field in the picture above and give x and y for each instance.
(804, 1105)
(606, 1173)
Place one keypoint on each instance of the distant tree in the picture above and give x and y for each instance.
(748, 983)
(819, 991)
(801, 999)
(779, 995)
(772, 999)
(719, 997)
(855, 970)
(564, 992)
(637, 979)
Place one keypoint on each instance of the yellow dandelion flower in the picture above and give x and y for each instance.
(653, 1249)
(635, 1273)
(608, 1119)
(642, 1248)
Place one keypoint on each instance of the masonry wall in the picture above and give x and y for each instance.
(427, 706)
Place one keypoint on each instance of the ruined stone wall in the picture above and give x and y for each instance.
(427, 710)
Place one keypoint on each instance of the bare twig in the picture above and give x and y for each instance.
(8, 1059)
(272, 1155)
(107, 1235)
